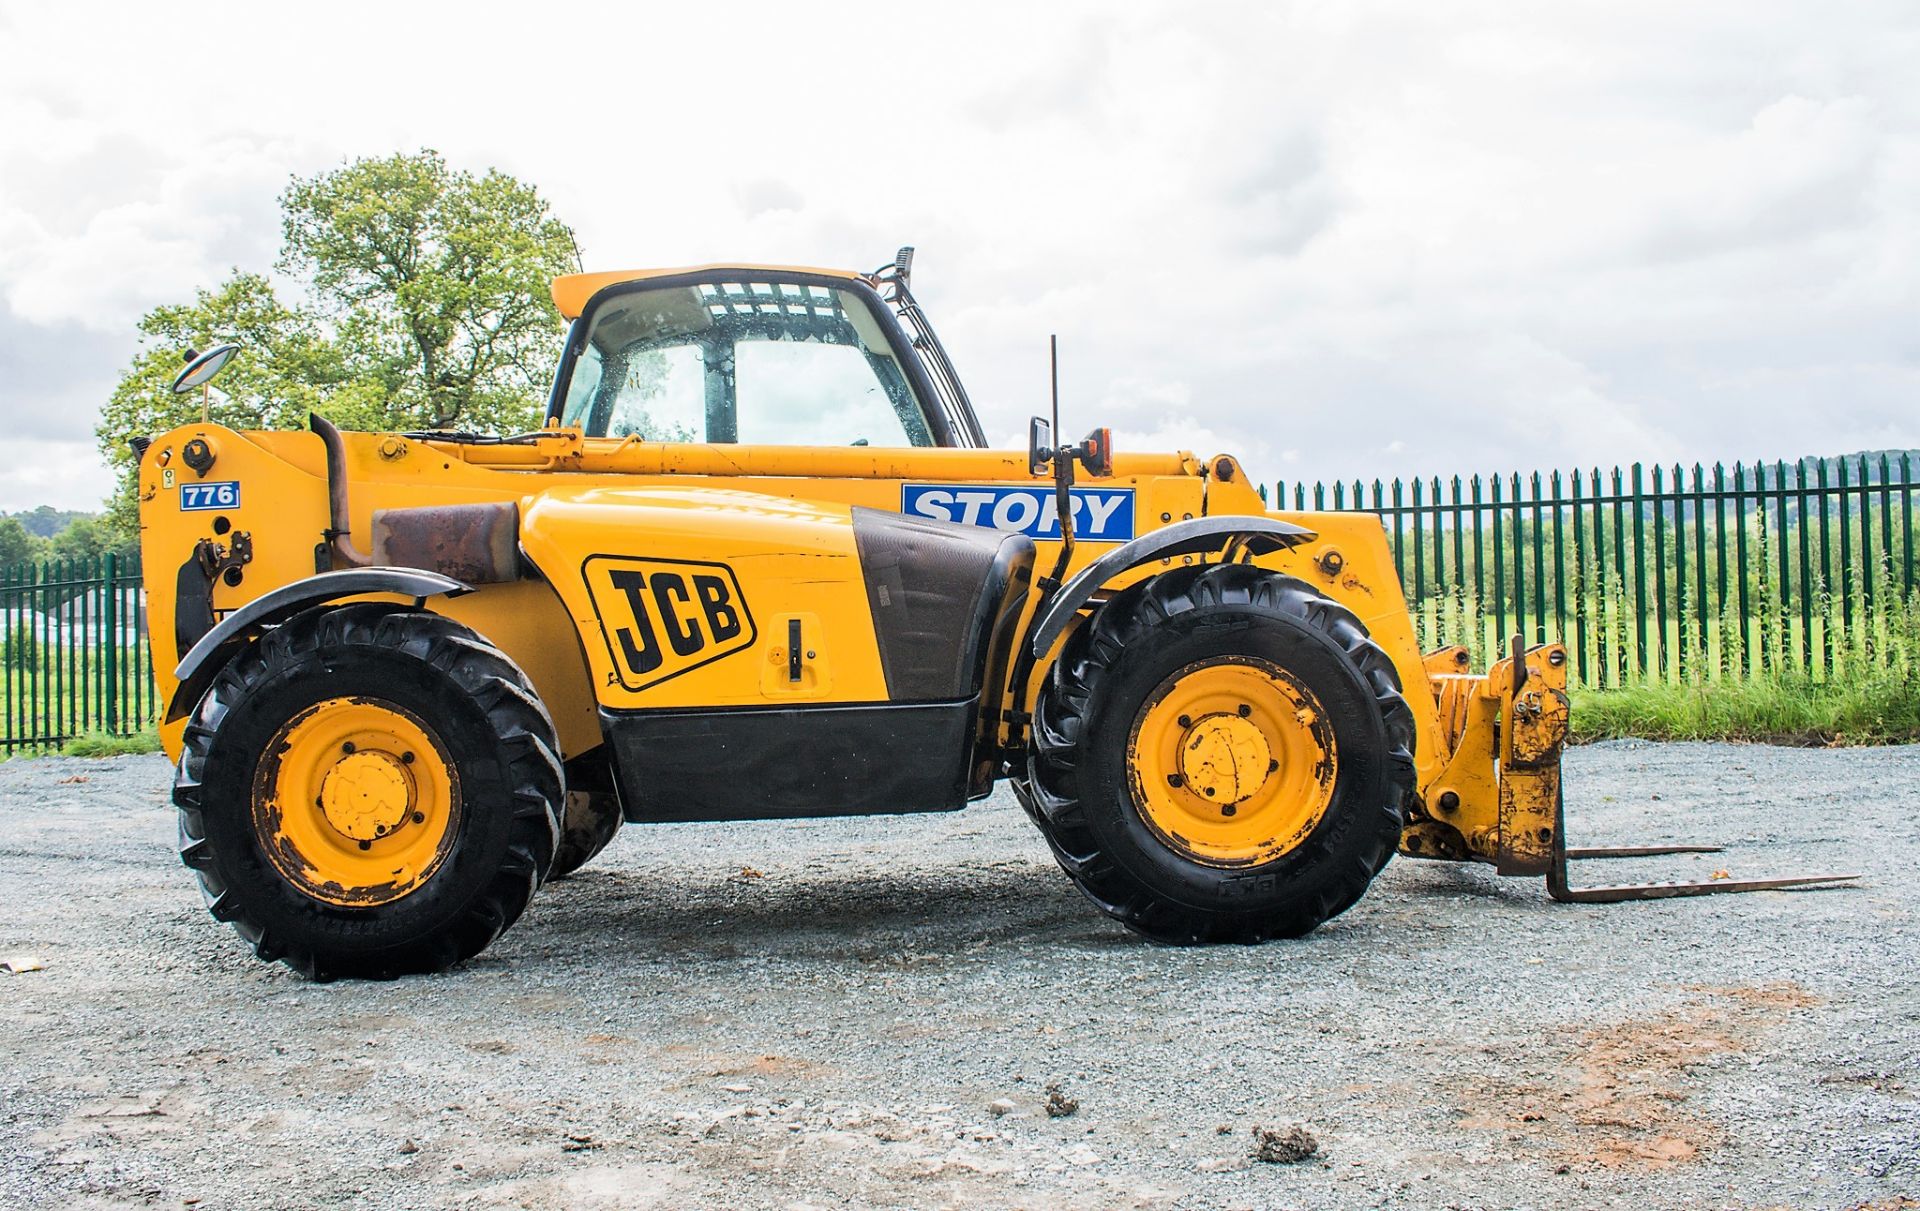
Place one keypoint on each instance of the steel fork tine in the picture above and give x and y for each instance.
(1639, 851)
(1562, 890)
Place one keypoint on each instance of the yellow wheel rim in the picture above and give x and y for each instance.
(1232, 761)
(356, 802)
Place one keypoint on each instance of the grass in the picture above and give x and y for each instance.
(1880, 707)
(102, 744)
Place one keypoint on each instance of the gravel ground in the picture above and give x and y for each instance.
(869, 1013)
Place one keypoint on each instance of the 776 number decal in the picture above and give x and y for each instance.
(215, 494)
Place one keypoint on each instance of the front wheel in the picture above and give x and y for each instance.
(369, 791)
(1221, 754)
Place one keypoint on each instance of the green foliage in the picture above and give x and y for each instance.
(22, 648)
(44, 521)
(1779, 708)
(86, 537)
(437, 281)
(17, 545)
(426, 307)
(105, 744)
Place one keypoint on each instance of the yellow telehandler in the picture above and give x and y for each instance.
(760, 563)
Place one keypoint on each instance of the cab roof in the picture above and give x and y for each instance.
(570, 293)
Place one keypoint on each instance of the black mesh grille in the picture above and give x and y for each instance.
(933, 588)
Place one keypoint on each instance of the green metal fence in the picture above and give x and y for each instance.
(1670, 574)
(73, 651)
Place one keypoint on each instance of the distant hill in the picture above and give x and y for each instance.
(46, 521)
(1810, 467)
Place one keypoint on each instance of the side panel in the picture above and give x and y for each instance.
(682, 596)
(792, 761)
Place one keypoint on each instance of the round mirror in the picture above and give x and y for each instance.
(201, 367)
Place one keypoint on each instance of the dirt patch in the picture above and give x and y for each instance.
(1283, 1145)
(1619, 1097)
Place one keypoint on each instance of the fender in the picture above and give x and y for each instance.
(1262, 536)
(203, 663)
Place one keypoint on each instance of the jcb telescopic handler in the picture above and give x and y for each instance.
(761, 563)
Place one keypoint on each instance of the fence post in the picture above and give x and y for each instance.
(1419, 602)
(1906, 520)
(1701, 662)
(110, 623)
(1499, 570)
(1662, 654)
(1639, 573)
(1581, 587)
(1826, 577)
(1846, 555)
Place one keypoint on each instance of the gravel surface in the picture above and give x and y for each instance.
(897, 1012)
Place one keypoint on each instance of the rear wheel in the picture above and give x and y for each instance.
(369, 791)
(589, 822)
(1221, 753)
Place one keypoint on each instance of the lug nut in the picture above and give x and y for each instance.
(347, 747)
(406, 758)
(1245, 710)
(366, 845)
(1208, 792)
(419, 817)
(1228, 810)
(1185, 721)
(1272, 766)
(1173, 779)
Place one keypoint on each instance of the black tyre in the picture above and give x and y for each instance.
(369, 791)
(589, 822)
(1221, 754)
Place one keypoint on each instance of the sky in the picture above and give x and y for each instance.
(1344, 239)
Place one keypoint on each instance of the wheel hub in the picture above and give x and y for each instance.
(355, 802)
(1232, 761)
(366, 795)
(1225, 758)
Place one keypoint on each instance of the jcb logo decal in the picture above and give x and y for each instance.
(662, 617)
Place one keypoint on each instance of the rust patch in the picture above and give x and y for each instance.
(477, 544)
(1617, 1096)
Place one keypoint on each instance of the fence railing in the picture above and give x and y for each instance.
(73, 652)
(1669, 574)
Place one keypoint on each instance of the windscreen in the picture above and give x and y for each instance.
(782, 363)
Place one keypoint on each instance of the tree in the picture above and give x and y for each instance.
(289, 365)
(85, 538)
(16, 545)
(424, 305)
(438, 281)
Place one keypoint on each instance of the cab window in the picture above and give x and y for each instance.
(741, 361)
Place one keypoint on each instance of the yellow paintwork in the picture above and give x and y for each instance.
(355, 802)
(778, 518)
(1232, 761)
(570, 293)
(581, 497)
(787, 556)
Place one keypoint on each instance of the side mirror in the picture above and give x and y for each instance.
(1096, 453)
(1039, 445)
(201, 367)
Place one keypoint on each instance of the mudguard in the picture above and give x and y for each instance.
(204, 661)
(1262, 535)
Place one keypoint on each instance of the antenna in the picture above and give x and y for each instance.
(1053, 357)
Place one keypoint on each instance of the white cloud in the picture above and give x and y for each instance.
(1348, 240)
